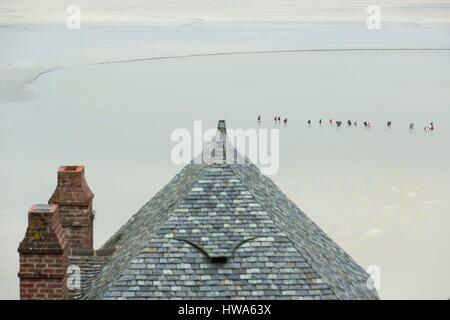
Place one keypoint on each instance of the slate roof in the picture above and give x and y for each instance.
(90, 265)
(222, 230)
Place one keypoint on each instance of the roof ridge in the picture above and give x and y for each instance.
(220, 150)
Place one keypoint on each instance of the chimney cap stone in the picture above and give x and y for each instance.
(42, 207)
(221, 125)
(71, 168)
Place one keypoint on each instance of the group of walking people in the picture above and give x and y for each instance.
(350, 123)
(367, 124)
(277, 119)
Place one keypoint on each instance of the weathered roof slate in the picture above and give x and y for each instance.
(90, 266)
(347, 279)
(130, 238)
(221, 230)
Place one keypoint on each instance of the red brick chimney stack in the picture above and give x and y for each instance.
(43, 255)
(74, 199)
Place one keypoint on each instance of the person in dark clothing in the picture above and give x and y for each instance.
(259, 118)
(279, 118)
(355, 123)
(285, 121)
(431, 126)
(349, 123)
(389, 124)
(320, 122)
(309, 122)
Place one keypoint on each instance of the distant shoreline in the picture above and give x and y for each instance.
(213, 54)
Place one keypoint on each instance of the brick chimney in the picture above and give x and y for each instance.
(74, 199)
(43, 255)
